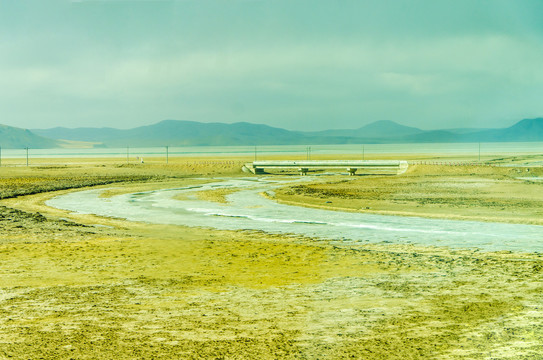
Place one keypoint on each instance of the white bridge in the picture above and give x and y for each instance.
(303, 166)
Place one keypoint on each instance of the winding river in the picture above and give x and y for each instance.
(248, 209)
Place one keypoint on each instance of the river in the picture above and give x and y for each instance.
(248, 209)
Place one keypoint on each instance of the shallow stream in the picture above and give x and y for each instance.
(248, 209)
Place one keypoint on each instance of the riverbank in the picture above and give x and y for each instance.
(480, 193)
(81, 286)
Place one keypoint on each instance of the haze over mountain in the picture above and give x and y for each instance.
(190, 133)
(524, 130)
(377, 129)
(178, 133)
(16, 138)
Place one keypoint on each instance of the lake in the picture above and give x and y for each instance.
(357, 150)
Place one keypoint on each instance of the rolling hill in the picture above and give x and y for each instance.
(524, 130)
(191, 133)
(381, 129)
(179, 133)
(15, 138)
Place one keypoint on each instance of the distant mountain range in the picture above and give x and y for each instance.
(190, 133)
(391, 132)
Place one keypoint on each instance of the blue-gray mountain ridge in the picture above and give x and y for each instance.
(191, 133)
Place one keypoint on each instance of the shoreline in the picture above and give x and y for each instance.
(439, 192)
(496, 220)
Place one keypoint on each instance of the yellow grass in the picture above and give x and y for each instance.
(72, 289)
(454, 192)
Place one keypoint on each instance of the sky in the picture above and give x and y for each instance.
(295, 64)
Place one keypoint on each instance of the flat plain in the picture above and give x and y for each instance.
(87, 287)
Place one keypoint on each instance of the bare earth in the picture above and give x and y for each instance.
(84, 287)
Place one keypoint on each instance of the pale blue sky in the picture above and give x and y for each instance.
(295, 64)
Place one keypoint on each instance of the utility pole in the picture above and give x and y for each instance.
(363, 154)
(479, 152)
(167, 154)
(26, 148)
(127, 154)
(0, 156)
(255, 153)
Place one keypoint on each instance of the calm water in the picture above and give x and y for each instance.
(263, 151)
(247, 209)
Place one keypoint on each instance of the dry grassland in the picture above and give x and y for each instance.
(71, 287)
(457, 192)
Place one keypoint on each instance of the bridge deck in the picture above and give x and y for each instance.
(350, 165)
